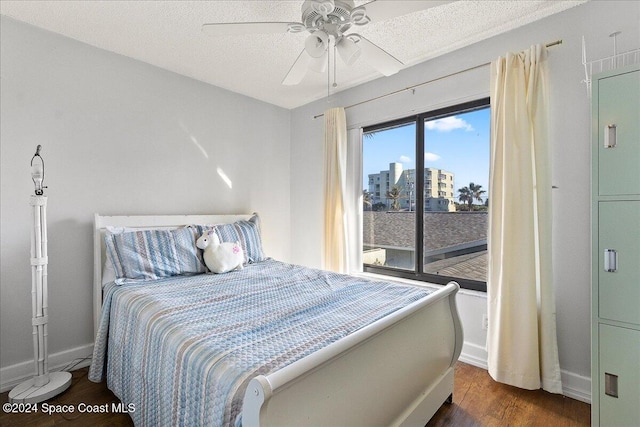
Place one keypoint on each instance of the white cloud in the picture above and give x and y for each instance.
(431, 157)
(405, 159)
(448, 124)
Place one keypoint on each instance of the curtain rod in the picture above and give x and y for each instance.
(555, 43)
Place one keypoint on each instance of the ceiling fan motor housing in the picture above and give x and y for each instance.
(317, 14)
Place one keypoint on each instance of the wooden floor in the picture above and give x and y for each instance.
(477, 401)
(480, 401)
(81, 391)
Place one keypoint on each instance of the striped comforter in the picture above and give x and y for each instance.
(183, 350)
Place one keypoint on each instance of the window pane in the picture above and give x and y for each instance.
(456, 194)
(388, 161)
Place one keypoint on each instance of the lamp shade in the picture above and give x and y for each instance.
(348, 50)
(316, 44)
(319, 65)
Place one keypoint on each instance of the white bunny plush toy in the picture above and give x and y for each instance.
(220, 257)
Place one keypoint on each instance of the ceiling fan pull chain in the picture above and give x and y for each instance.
(328, 73)
(334, 67)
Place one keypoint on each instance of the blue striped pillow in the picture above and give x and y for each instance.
(247, 232)
(154, 254)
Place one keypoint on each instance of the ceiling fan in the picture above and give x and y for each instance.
(328, 21)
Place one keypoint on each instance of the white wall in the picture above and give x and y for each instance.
(119, 137)
(569, 132)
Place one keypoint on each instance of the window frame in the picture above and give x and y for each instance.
(419, 120)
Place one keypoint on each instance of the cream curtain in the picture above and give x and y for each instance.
(342, 194)
(521, 341)
(336, 237)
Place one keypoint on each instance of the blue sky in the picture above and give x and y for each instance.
(458, 144)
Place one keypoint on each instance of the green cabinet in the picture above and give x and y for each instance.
(615, 293)
(618, 130)
(619, 276)
(620, 367)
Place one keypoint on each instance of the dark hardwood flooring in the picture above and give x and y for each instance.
(480, 401)
(477, 401)
(81, 391)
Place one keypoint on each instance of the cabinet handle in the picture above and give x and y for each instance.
(611, 385)
(610, 260)
(610, 136)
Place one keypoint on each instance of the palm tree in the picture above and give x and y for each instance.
(395, 194)
(466, 197)
(469, 194)
(476, 191)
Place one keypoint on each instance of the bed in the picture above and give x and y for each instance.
(392, 364)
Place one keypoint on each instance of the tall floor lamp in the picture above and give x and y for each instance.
(44, 385)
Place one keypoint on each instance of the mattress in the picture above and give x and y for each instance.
(182, 350)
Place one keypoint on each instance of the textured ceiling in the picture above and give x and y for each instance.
(168, 34)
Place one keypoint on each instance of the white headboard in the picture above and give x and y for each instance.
(100, 223)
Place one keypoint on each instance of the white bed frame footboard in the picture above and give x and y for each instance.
(397, 371)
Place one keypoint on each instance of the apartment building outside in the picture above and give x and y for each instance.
(438, 188)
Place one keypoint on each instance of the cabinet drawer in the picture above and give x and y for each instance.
(619, 123)
(619, 357)
(619, 232)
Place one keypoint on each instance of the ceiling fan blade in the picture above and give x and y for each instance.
(380, 10)
(239, 28)
(298, 70)
(379, 59)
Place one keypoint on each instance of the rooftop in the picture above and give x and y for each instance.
(458, 239)
(442, 229)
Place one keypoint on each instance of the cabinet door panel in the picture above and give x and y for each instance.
(619, 105)
(620, 356)
(619, 291)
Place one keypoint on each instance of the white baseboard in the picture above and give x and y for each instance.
(573, 385)
(11, 376)
(474, 354)
(576, 386)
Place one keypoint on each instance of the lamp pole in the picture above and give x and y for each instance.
(44, 385)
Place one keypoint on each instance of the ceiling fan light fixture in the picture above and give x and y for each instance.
(316, 44)
(319, 65)
(348, 50)
(377, 57)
